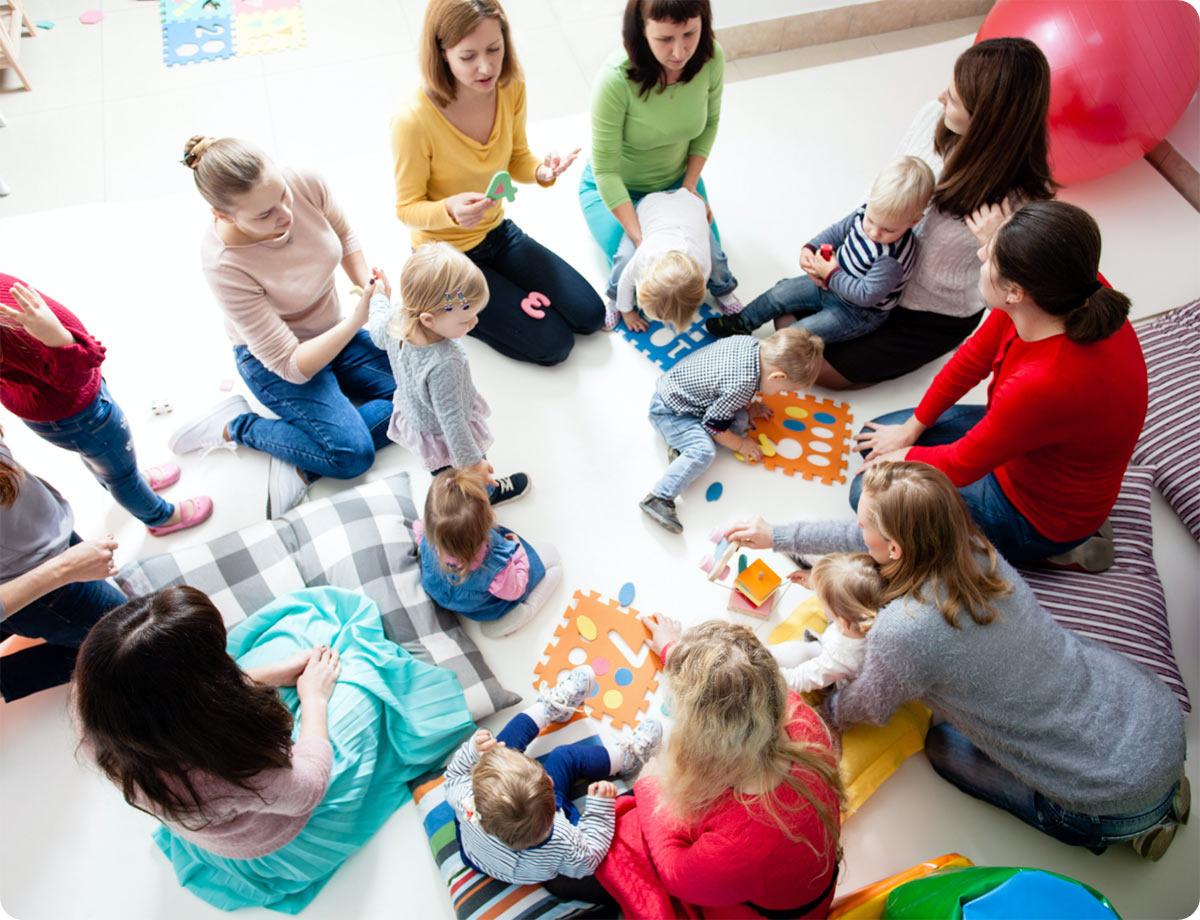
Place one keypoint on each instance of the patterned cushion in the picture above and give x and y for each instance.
(360, 539)
(1171, 345)
(1123, 607)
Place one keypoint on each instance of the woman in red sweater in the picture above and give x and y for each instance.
(50, 379)
(1041, 464)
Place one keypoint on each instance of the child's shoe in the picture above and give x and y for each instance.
(509, 489)
(672, 454)
(724, 326)
(507, 624)
(611, 315)
(208, 432)
(729, 304)
(563, 700)
(286, 488)
(662, 512)
(641, 745)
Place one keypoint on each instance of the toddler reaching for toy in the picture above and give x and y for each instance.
(848, 294)
(516, 821)
(472, 566)
(678, 256)
(851, 590)
(436, 412)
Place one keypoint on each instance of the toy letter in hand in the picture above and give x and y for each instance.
(501, 186)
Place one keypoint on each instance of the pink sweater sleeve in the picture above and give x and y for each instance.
(510, 582)
(299, 790)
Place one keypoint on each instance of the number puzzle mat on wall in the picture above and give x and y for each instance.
(666, 349)
(623, 686)
(805, 435)
(212, 30)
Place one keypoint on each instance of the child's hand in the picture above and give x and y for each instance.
(487, 471)
(633, 321)
(35, 317)
(759, 410)
(750, 450)
(362, 309)
(808, 261)
(603, 789)
(822, 268)
(800, 577)
(511, 536)
(484, 741)
(663, 630)
(987, 219)
(382, 285)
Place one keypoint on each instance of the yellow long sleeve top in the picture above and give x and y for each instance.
(434, 160)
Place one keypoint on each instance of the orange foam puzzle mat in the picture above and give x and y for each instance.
(805, 436)
(626, 669)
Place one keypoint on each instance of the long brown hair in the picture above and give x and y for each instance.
(1052, 250)
(458, 517)
(644, 68)
(447, 22)
(731, 710)
(10, 480)
(157, 697)
(1004, 83)
(917, 507)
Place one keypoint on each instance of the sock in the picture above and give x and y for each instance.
(537, 712)
(616, 759)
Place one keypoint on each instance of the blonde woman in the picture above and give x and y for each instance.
(1073, 738)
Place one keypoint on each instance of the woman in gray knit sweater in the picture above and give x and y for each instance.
(1068, 735)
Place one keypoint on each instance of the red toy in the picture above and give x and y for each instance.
(826, 251)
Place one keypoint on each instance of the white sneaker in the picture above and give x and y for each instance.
(509, 623)
(564, 699)
(641, 745)
(208, 431)
(286, 488)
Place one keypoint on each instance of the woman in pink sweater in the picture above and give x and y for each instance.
(1041, 464)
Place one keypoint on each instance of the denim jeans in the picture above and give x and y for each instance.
(100, 435)
(957, 760)
(696, 447)
(319, 429)
(821, 312)
(720, 281)
(1014, 537)
(515, 264)
(567, 764)
(62, 617)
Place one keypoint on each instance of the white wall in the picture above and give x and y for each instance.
(738, 12)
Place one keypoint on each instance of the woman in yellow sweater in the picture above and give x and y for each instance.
(462, 127)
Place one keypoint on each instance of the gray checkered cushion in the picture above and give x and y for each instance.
(359, 539)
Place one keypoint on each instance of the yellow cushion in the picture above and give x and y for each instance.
(870, 753)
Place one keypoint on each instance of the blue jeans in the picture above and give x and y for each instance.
(1010, 531)
(697, 449)
(515, 264)
(62, 617)
(319, 429)
(821, 312)
(957, 760)
(567, 764)
(720, 280)
(100, 435)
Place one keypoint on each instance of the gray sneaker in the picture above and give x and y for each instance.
(1095, 554)
(564, 699)
(672, 453)
(662, 512)
(640, 746)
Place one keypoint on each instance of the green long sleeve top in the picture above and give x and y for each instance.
(643, 143)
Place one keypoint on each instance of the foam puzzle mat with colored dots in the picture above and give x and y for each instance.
(663, 346)
(195, 31)
(805, 435)
(626, 671)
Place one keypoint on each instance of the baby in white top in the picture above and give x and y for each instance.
(851, 590)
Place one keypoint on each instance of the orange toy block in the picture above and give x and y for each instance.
(757, 581)
(624, 687)
(804, 435)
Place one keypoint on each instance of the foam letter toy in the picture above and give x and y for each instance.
(501, 186)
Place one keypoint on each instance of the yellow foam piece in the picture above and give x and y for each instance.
(768, 448)
(796, 412)
(870, 753)
(586, 627)
(613, 699)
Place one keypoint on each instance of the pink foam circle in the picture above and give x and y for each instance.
(600, 666)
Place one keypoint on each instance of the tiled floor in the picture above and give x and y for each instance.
(102, 217)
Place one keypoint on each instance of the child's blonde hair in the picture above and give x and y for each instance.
(795, 351)
(903, 189)
(514, 797)
(458, 518)
(850, 586)
(671, 289)
(431, 280)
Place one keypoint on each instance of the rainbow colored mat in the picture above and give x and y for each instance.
(213, 30)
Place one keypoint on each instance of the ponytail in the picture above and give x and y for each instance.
(1052, 250)
(458, 518)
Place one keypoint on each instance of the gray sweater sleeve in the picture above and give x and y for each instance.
(377, 322)
(446, 382)
(883, 277)
(818, 537)
(889, 678)
(834, 234)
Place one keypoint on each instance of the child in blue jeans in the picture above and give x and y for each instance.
(472, 566)
(848, 294)
(514, 818)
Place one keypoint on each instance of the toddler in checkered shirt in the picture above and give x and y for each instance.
(709, 397)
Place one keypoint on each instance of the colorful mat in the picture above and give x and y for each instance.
(195, 31)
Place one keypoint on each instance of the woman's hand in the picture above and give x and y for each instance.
(554, 166)
(755, 534)
(317, 680)
(663, 631)
(707, 210)
(987, 219)
(377, 285)
(467, 208)
(91, 560)
(284, 673)
(885, 439)
(35, 317)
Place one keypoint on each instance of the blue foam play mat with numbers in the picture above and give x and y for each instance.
(195, 31)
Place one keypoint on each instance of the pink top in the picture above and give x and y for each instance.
(249, 824)
(278, 293)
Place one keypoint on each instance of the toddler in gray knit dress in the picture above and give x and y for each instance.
(436, 412)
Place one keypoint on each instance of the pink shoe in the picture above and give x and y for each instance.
(193, 511)
(729, 304)
(162, 476)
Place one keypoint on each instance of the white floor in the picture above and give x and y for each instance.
(102, 218)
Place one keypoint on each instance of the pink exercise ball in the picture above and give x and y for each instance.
(1121, 74)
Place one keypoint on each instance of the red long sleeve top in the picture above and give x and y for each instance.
(43, 384)
(1061, 422)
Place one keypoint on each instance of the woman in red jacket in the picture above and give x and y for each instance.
(1041, 464)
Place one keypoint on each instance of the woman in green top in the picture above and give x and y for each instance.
(655, 109)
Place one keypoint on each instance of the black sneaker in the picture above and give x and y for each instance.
(509, 488)
(725, 326)
(662, 511)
